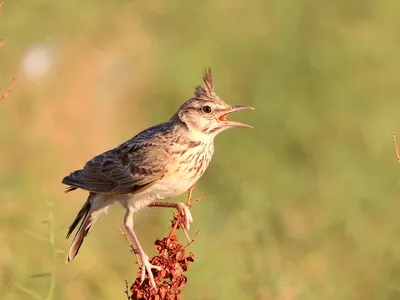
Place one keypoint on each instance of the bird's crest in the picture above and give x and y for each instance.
(208, 91)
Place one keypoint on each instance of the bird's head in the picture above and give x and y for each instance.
(205, 113)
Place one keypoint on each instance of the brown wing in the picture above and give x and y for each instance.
(130, 168)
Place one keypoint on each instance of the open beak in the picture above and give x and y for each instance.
(231, 109)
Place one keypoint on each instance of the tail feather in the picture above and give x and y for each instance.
(87, 218)
(81, 215)
(70, 189)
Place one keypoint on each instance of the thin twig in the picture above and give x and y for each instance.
(8, 91)
(127, 289)
(175, 227)
(127, 239)
(190, 204)
(1, 41)
(130, 245)
(396, 147)
(193, 239)
(28, 291)
(189, 198)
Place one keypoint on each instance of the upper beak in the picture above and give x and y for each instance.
(231, 109)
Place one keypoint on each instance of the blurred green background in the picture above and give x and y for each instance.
(305, 206)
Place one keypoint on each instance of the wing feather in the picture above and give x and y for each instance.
(129, 168)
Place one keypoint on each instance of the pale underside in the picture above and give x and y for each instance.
(176, 181)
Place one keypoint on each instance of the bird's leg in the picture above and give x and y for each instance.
(183, 211)
(146, 265)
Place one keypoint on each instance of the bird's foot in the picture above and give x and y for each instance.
(146, 267)
(186, 218)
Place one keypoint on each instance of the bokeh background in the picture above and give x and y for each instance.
(305, 206)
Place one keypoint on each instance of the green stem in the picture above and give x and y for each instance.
(52, 250)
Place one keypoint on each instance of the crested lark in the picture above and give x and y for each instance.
(160, 162)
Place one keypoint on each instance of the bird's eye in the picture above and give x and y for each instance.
(206, 109)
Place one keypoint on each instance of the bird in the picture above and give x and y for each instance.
(159, 163)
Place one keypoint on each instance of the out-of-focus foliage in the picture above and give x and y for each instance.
(305, 206)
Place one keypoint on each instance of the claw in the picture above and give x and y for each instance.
(183, 211)
(146, 267)
(186, 218)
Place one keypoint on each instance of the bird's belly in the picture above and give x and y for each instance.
(170, 187)
(162, 190)
(182, 175)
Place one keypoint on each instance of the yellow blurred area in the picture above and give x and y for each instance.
(304, 206)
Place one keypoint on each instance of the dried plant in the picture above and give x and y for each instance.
(396, 147)
(173, 260)
(8, 91)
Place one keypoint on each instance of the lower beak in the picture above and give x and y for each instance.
(222, 117)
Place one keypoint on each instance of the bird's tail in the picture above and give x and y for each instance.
(86, 217)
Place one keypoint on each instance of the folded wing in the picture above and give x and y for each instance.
(130, 168)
